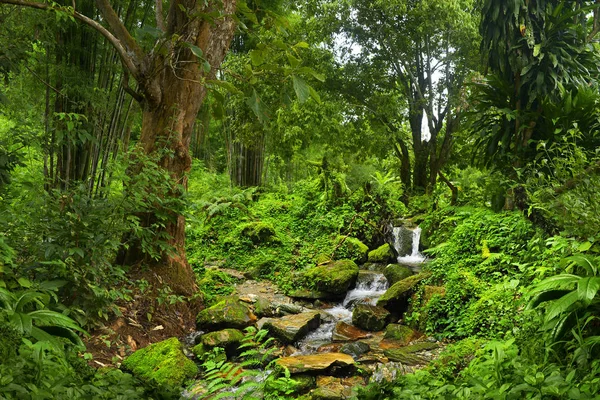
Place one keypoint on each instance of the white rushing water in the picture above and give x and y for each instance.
(367, 291)
(415, 257)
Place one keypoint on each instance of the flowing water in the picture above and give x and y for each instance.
(414, 258)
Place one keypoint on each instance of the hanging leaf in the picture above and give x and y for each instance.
(301, 88)
(255, 104)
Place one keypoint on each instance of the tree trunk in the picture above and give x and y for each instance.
(173, 92)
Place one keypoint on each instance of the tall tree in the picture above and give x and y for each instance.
(419, 49)
(171, 76)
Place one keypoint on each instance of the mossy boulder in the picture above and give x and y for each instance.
(400, 333)
(229, 339)
(370, 318)
(355, 349)
(396, 297)
(259, 232)
(396, 272)
(351, 248)
(162, 364)
(228, 313)
(382, 254)
(335, 277)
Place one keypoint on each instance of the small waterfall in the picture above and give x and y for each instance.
(406, 243)
(369, 288)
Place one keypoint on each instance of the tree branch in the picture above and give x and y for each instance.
(134, 51)
(128, 60)
(160, 22)
(596, 27)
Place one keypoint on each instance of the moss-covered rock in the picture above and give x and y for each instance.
(228, 313)
(259, 232)
(335, 277)
(396, 297)
(370, 318)
(229, 339)
(382, 254)
(396, 272)
(162, 364)
(263, 307)
(355, 349)
(400, 333)
(351, 248)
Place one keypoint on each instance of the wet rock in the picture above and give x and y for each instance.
(229, 339)
(315, 362)
(370, 318)
(334, 278)
(228, 313)
(331, 388)
(404, 241)
(309, 294)
(397, 272)
(355, 349)
(400, 355)
(382, 254)
(344, 332)
(162, 364)
(292, 328)
(289, 308)
(263, 307)
(408, 355)
(375, 267)
(400, 333)
(330, 348)
(396, 297)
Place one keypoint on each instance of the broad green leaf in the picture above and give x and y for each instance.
(257, 57)
(196, 50)
(587, 288)
(24, 282)
(585, 246)
(301, 88)
(561, 305)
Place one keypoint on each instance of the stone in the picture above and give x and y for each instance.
(228, 313)
(292, 328)
(333, 388)
(289, 308)
(309, 294)
(315, 362)
(400, 333)
(344, 332)
(404, 241)
(334, 278)
(351, 248)
(355, 349)
(162, 364)
(396, 272)
(229, 339)
(370, 318)
(407, 355)
(382, 254)
(263, 307)
(396, 297)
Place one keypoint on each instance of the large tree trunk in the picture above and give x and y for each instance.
(173, 90)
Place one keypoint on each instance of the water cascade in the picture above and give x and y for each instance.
(370, 287)
(406, 243)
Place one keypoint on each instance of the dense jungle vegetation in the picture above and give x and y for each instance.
(153, 154)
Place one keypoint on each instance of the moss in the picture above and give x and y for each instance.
(228, 313)
(259, 232)
(222, 338)
(351, 248)
(382, 254)
(399, 332)
(161, 363)
(396, 272)
(336, 277)
(400, 291)
(370, 318)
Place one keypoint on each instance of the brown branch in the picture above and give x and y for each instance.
(134, 53)
(453, 188)
(126, 57)
(138, 97)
